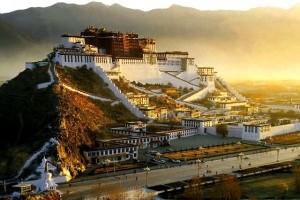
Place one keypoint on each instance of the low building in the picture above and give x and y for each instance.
(23, 188)
(222, 98)
(137, 126)
(284, 121)
(256, 131)
(138, 99)
(113, 151)
(161, 113)
(243, 109)
(180, 133)
(229, 105)
(153, 112)
(199, 123)
(297, 106)
(264, 109)
(131, 129)
(149, 140)
(182, 112)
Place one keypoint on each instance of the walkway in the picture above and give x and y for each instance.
(84, 93)
(168, 175)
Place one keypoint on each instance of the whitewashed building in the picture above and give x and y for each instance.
(200, 123)
(256, 131)
(180, 133)
(147, 140)
(113, 151)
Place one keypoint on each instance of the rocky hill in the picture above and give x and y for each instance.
(31, 116)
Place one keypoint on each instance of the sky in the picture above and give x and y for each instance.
(147, 5)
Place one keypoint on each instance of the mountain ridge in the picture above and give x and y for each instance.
(235, 41)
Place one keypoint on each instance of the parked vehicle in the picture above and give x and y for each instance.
(175, 161)
(152, 152)
(162, 161)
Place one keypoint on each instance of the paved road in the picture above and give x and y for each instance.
(167, 175)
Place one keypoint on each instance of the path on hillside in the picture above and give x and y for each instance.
(84, 93)
(87, 94)
(52, 78)
(184, 172)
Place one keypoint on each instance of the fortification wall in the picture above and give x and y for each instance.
(283, 129)
(134, 110)
(199, 95)
(190, 74)
(177, 82)
(89, 61)
(146, 73)
(211, 130)
(235, 131)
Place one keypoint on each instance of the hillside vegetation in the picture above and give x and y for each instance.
(28, 117)
(84, 79)
(33, 116)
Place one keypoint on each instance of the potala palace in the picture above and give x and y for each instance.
(114, 54)
(136, 59)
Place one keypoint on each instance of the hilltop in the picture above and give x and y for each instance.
(32, 116)
(240, 43)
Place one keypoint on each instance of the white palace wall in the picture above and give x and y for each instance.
(274, 130)
(283, 129)
(88, 60)
(141, 72)
(199, 95)
(147, 73)
(134, 110)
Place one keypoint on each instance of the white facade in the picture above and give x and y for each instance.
(146, 141)
(151, 68)
(198, 95)
(256, 131)
(137, 126)
(76, 59)
(200, 124)
(116, 153)
(297, 106)
(228, 105)
(179, 133)
(206, 75)
(222, 98)
(259, 132)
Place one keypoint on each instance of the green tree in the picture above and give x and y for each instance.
(222, 129)
(185, 90)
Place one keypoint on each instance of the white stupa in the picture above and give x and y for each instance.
(45, 182)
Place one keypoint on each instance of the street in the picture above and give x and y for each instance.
(178, 173)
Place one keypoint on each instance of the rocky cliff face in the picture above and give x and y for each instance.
(31, 117)
(80, 120)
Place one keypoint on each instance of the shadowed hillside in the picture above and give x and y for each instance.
(31, 117)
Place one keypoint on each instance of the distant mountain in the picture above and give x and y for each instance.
(259, 43)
